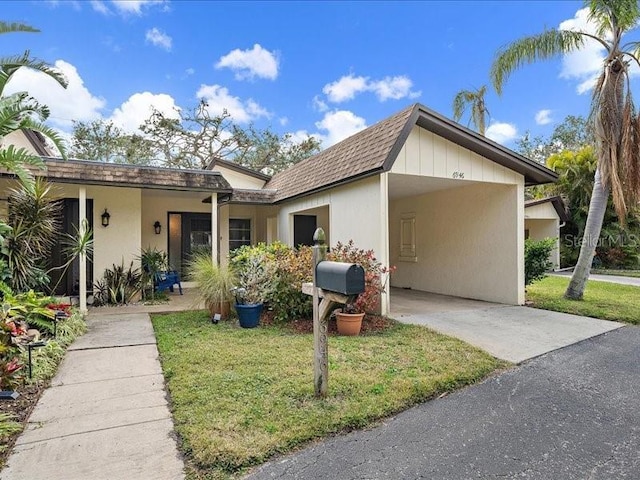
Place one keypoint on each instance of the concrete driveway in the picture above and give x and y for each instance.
(570, 414)
(511, 333)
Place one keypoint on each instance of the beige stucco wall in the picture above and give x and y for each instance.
(542, 221)
(156, 204)
(427, 154)
(121, 240)
(238, 179)
(467, 243)
(539, 229)
(354, 212)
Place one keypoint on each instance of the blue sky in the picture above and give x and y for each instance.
(325, 68)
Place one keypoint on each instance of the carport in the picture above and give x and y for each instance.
(456, 222)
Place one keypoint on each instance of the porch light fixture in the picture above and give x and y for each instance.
(157, 227)
(105, 218)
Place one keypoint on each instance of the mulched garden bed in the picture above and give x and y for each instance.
(370, 324)
(20, 409)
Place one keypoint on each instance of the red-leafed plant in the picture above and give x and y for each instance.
(375, 276)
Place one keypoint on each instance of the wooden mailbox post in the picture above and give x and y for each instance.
(321, 311)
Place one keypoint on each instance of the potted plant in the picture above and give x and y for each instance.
(349, 320)
(214, 283)
(255, 276)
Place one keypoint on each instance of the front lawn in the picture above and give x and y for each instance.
(240, 396)
(608, 301)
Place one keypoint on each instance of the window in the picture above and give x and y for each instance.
(239, 232)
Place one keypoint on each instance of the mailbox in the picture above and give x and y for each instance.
(339, 277)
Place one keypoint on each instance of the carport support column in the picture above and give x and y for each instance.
(215, 239)
(383, 251)
(82, 227)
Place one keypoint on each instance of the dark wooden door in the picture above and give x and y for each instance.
(304, 226)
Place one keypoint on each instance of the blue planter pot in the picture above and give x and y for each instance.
(249, 315)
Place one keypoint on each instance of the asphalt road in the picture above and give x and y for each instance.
(570, 414)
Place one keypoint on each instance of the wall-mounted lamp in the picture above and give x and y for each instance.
(105, 218)
(157, 227)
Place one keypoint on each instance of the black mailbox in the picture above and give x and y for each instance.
(339, 277)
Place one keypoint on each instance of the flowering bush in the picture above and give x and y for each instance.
(375, 276)
(287, 269)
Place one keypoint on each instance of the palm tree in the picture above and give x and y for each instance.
(19, 111)
(613, 120)
(479, 112)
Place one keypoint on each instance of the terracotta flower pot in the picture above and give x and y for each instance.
(349, 323)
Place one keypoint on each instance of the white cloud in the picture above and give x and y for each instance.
(132, 113)
(283, 121)
(543, 117)
(136, 7)
(338, 125)
(319, 105)
(393, 88)
(501, 132)
(248, 64)
(348, 86)
(73, 103)
(219, 100)
(190, 71)
(585, 64)
(100, 7)
(158, 38)
(345, 88)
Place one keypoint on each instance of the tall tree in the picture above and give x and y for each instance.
(103, 141)
(613, 119)
(572, 134)
(192, 139)
(473, 99)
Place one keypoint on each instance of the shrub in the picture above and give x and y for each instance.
(286, 270)
(214, 282)
(375, 275)
(536, 259)
(119, 285)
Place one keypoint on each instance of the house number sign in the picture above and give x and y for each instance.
(458, 175)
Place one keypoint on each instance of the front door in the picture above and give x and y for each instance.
(189, 233)
(304, 226)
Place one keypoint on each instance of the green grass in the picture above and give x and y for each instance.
(622, 273)
(608, 301)
(240, 396)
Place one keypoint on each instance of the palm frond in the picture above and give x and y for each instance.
(48, 132)
(15, 27)
(14, 160)
(9, 65)
(613, 16)
(548, 44)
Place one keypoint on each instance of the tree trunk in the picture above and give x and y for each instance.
(595, 217)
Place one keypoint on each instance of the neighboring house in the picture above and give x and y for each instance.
(543, 218)
(440, 202)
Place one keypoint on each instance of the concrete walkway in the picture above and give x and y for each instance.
(511, 333)
(605, 278)
(105, 415)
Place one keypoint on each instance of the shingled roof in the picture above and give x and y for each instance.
(374, 149)
(99, 173)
